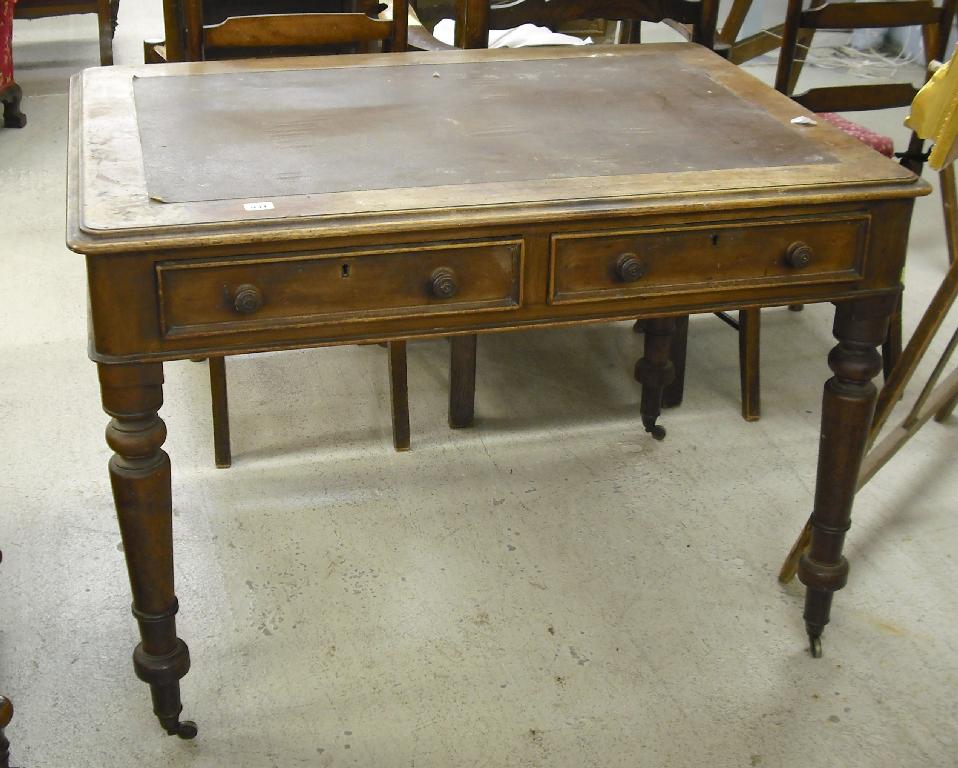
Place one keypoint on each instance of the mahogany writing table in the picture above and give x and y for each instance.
(239, 207)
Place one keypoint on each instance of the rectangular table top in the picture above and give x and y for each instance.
(244, 149)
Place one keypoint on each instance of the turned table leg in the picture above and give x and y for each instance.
(848, 405)
(140, 476)
(655, 371)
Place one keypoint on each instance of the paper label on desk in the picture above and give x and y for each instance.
(263, 206)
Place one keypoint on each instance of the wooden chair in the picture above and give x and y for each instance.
(797, 35)
(695, 20)
(190, 38)
(936, 400)
(474, 18)
(106, 13)
(10, 93)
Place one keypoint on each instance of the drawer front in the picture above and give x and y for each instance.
(227, 295)
(590, 266)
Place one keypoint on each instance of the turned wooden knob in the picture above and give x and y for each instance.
(443, 284)
(630, 268)
(247, 299)
(798, 255)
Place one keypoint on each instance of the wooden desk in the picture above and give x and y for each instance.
(224, 208)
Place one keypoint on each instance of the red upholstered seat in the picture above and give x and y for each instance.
(6, 44)
(9, 90)
(865, 135)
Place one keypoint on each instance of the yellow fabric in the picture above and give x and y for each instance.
(934, 113)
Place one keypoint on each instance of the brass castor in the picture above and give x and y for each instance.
(185, 730)
(815, 647)
(656, 430)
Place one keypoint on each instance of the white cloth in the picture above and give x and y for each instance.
(520, 37)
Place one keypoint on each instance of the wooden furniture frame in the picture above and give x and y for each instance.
(651, 231)
(106, 13)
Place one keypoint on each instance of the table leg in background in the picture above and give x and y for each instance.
(655, 371)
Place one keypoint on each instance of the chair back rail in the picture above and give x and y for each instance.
(474, 18)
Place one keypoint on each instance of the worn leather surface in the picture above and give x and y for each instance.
(270, 133)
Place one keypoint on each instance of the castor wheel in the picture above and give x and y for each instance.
(656, 430)
(815, 647)
(185, 730)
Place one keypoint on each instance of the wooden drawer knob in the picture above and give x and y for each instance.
(798, 255)
(247, 299)
(443, 284)
(630, 268)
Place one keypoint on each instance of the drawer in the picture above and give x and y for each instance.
(589, 266)
(234, 294)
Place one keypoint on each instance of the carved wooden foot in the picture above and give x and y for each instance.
(140, 476)
(655, 371)
(6, 715)
(462, 381)
(11, 97)
(847, 409)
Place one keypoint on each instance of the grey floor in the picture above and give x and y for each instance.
(550, 588)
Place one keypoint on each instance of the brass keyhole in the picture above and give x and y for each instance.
(345, 271)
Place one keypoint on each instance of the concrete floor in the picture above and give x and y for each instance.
(549, 588)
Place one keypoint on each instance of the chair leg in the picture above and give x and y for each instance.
(105, 22)
(949, 204)
(946, 410)
(892, 346)
(749, 356)
(11, 97)
(673, 393)
(462, 381)
(399, 395)
(221, 412)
